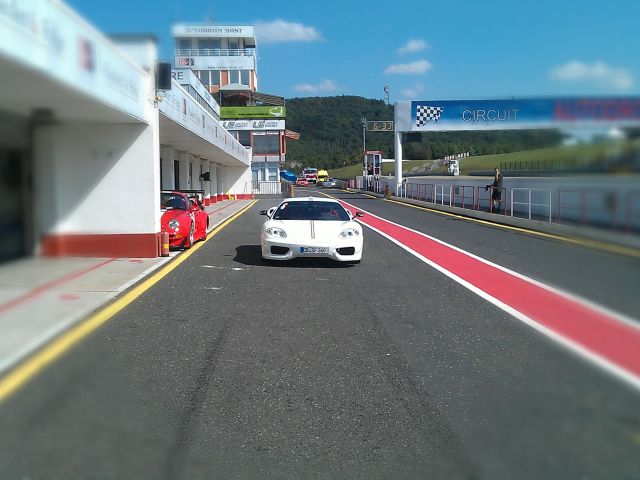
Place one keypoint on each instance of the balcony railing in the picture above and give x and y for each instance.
(215, 52)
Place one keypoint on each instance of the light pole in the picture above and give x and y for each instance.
(386, 94)
(363, 121)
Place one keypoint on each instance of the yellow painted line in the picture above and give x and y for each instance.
(617, 249)
(33, 365)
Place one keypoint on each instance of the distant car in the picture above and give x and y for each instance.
(311, 227)
(311, 174)
(302, 182)
(329, 183)
(322, 176)
(183, 218)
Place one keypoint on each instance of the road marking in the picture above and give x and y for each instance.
(49, 285)
(235, 269)
(28, 369)
(606, 338)
(221, 208)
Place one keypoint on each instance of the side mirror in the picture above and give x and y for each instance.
(359, 214)
(263, 212)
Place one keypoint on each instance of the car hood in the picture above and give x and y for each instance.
(312, 230)
(173, 213)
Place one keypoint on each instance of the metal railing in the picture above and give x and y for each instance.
(530, 204)
(632, 204)
(460, 196)
(215, 52)
(588, 207)
(609, 208)
(440, 193)
(502, 201)
(262, 187)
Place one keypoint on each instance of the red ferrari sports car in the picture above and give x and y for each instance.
(302, 182)
(183, 218)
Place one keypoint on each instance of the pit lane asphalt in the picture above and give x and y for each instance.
(230, 368)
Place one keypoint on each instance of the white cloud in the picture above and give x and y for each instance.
(413, 45)
(598, 72)
(280, 31)
(414, 68)
(412, 92)
(324, 86)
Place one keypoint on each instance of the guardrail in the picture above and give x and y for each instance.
(216, 52)
(595, 207)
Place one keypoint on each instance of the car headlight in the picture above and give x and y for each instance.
(276, 232)
(174, 225)
(349, 232)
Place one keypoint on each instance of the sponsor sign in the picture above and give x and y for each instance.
(253, 112)
(439, 115)
(47, 37)
(184, 62)
(213, 31)
(253, 124)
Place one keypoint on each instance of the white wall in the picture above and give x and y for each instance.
(96, 178)
(237, 180)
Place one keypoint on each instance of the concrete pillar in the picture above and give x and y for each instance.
(185, 178)
(213, 184)
(398, 155)
(220, 182)
(96, 189)
(206, 167)
(195, 173)
(167, 155)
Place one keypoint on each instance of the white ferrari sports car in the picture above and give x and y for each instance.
(311, 227)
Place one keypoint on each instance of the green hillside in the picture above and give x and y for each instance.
(331, 135)
(555, 158)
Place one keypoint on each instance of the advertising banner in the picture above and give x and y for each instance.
(441, 115)
(253, 112)
(254, 124)
(233, 31)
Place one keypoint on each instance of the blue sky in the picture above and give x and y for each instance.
(422, 49)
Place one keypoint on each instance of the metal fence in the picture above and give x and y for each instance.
(266, 188)
(597, 207)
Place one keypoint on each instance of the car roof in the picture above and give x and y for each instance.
(306, 199)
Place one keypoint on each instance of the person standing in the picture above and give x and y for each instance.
(496, 190)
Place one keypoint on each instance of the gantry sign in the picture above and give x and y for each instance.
(508, 114)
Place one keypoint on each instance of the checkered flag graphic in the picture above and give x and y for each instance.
(425, 113)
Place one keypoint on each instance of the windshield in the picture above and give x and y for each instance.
(311, 211)
(172, 200)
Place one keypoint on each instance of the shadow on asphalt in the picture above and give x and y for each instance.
(251, 255)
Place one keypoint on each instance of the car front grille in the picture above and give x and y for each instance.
(276, 250)
(346, 250)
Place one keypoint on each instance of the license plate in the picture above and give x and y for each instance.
(314, 250)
